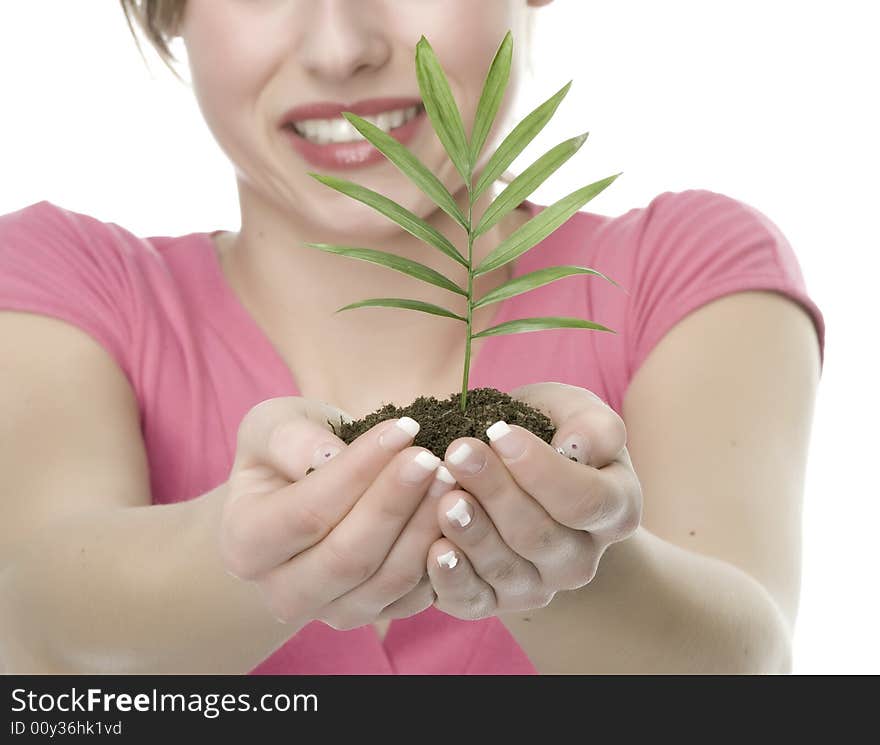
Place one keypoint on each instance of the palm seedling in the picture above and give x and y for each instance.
(464, 153)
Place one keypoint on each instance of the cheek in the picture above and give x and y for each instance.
(229, 51)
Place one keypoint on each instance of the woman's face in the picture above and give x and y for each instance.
(252, 60)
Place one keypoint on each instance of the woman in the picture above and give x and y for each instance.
(188, 380)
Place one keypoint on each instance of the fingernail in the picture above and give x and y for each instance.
(419, 467)
(399, 434)
(448, 560)
(443, 482)
(506, 441)
(464, 458)
(575, 447)
(460, 512)
(324, 453)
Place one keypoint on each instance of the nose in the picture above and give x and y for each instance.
(342, 38)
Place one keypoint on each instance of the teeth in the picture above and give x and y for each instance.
(323, 131)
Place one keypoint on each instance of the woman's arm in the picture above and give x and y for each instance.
(93, 577)
(133, 590)
(654, 607)
(718, 423)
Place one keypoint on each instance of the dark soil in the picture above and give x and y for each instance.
(443, 421)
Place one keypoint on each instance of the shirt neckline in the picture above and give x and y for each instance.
(245, 326)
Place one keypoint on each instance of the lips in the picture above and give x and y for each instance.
(333, 110)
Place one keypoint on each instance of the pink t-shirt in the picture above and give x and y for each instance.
(198, 361)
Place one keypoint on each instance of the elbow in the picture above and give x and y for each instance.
(763, 648)
(758, 638)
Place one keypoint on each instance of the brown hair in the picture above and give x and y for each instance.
(158, 20)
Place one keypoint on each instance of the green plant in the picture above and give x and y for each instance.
(446, 119)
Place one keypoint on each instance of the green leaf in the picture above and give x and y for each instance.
(441, 108)
(393, 261)
(402, 216)
(409, 165)
(540, 226)
(522, 134)
(522, 325)
(529, 180)
(492, 96)
(393, 302)
(530, 281)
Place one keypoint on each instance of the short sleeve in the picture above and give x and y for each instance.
(696, 246)
(64, 264)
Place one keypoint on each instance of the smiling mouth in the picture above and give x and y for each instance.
(420, 110)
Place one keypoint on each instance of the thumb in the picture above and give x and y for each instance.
(289, 434)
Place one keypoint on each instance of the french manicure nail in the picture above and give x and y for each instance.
(448, 560)
(443, 482)
(463, 458)
(399, 434)
(505, 440)
(460, 512)
(419, 467)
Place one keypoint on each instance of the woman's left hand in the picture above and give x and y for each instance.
(528, 520)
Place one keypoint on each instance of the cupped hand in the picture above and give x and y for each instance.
(529, 520)
(344, 544)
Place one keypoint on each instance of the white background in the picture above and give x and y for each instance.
(773, 103)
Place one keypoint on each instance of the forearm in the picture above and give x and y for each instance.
(134, 590)
(654, 607)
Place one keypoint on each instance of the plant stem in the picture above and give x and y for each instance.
(470, 295)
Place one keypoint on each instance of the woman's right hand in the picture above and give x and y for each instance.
(345, 544)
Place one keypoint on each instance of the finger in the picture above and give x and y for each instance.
(586, 427)
(551, 555)
(264, 530)
(420, 598)
(515, 513)
(284, 434)
(460, 592)
(404, 567)
(515, 580)
(583, 498)
(353, 551)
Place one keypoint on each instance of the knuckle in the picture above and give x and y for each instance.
(393, 510)
(345, 564)
(492, 489)
(412, 602)
(505, 570)
(310, 524)
(363, 469)
(396, 582)
(632, 519)
(479, 605)
(583, 510)
(580, 576)
(392, 504)
(537, 540)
